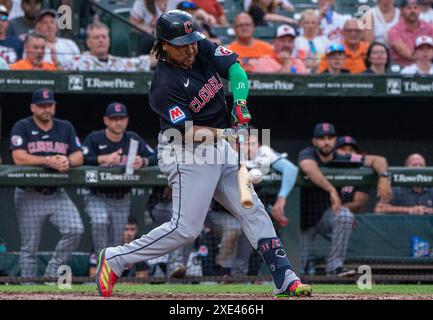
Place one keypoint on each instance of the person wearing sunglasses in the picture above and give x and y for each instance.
(11, 48)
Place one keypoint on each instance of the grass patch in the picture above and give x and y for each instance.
(223, 288)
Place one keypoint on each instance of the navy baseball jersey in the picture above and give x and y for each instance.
(60, 139)
(97, 144)
(196, 94)
(347, 193)
(314, 200)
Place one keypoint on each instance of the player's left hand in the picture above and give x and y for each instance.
(240, 114)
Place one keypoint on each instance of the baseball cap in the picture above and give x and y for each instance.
(43, 96)
(116, 109)
(324, 129)
(4, 10)
(404, 3)
(422, 40)
(335, 47)
(186, 5)
(285, 30)
(47, 12)
(346, 140)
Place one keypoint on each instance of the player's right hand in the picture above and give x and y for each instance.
(111, 159)
(335, 201)
(58, 162)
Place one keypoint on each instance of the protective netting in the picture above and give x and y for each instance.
(395, 246)
(44, 228)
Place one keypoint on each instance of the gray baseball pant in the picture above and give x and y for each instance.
(108, 218)
(339, 226)
(33, 209)
(193, 187)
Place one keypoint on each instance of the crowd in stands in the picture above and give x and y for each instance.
(393, 36)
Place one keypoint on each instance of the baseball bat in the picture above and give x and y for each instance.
(244, 184)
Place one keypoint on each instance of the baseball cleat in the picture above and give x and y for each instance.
(296, 289)
(105, 277)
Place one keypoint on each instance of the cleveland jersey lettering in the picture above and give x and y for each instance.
(60, 139)
(196, 94)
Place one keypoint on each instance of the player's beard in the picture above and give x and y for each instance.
(325, 150)
(45, 117)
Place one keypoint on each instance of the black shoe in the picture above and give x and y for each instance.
(342, 272)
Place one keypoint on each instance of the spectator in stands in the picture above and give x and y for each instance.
(378, 59)
(423, 57)
(98, 58)
(11, 48)
(263, 12)
(144, 13)
(199, 18)
(353, 198)
(139, 270)
(321, 206)
(3, 64)
(383, 17)
(402, 36)
(310, 46)
(214, 8)
(34, 51)
(426, 13)
(335, 58)
(246, 46)
(283, 61)
(199, 13)
(410, 200)
(20, 26)
(331, 22)
(58, 51)
(285, 5)
(354, 49)
(108, 208)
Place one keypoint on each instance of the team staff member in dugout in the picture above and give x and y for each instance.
(186, 86)
(108, 207)
(41, 140)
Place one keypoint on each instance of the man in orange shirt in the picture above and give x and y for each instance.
(248, 48)
(354, 49)
(283, 61)
(34, 52)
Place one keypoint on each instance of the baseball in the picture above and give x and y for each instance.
(255, 176)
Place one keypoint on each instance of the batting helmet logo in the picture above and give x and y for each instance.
(188, 26)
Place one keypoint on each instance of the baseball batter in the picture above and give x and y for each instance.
(186, 86)
(41, 140)
(108, 208)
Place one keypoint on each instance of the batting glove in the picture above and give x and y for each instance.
(240, 114)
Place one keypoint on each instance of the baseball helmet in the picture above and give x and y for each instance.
(177, 28)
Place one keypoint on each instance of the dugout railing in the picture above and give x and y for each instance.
(385, 242)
